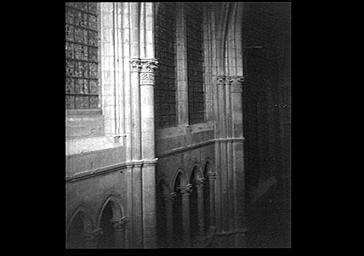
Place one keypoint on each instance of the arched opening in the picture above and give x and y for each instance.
(108, 238)
(177, 213)
(76, 232)
(206, 198)
(161, 216)
(194, 205)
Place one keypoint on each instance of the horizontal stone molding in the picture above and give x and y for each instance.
(185, 148)
(232, 232)
(180, 130)
(109, 169)
(89, 145)
(198, 145)
(230, 139)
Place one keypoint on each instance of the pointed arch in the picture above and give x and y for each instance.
(207, 167)
(79, 223)
(86, 213)
(196, 172)
(116, 205)
(179, 175)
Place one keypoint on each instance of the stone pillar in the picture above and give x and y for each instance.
(223, 214)
(186, 191)
(119, 226)
(137, 205)
(200, 205)
(221, 132)
(149, 204)
(92, 238)
(148, 150)
(212, 179)
(236, 83)
(169, 199)
(135, 103)
(148, 67)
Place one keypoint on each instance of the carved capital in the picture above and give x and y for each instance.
(170, 196)
(230, 80)
(146, 68)
(186, 190)
(221, 80)
(93, 236)
(119, 224)
(200, 181)
(148, 65)
(147, 71)
(236, 83)
(135, 64)
(212, 175)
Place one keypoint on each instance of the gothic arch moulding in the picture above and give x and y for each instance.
(87, 218)
(184, 179)
(229, 36)
(196, 170)
(116, 205)
(207, 167)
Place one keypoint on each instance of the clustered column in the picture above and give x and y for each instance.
(142, 74)
(212, 179)
(200, 200)
(186, 191)
(236, 83)
(119, 227)
(169, 199)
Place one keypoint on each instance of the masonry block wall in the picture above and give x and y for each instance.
(191, 166)
(109, 150)
(207, 135)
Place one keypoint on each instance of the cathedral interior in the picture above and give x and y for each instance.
(178, 124)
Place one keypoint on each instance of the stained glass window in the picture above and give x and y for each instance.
(81, 52)
(165, 48)
(196, 105)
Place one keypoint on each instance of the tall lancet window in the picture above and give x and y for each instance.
(81, 46)
(195, 59)
(165, 51)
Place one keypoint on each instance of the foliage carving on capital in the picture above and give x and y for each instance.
(148, 65)
(135, 64)
(200, 181)
(235, 79)
(186, 190)
(236, 83)
(119, 224)
(170, 196)
(221, 79)
(144, 65)
(212, 175)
